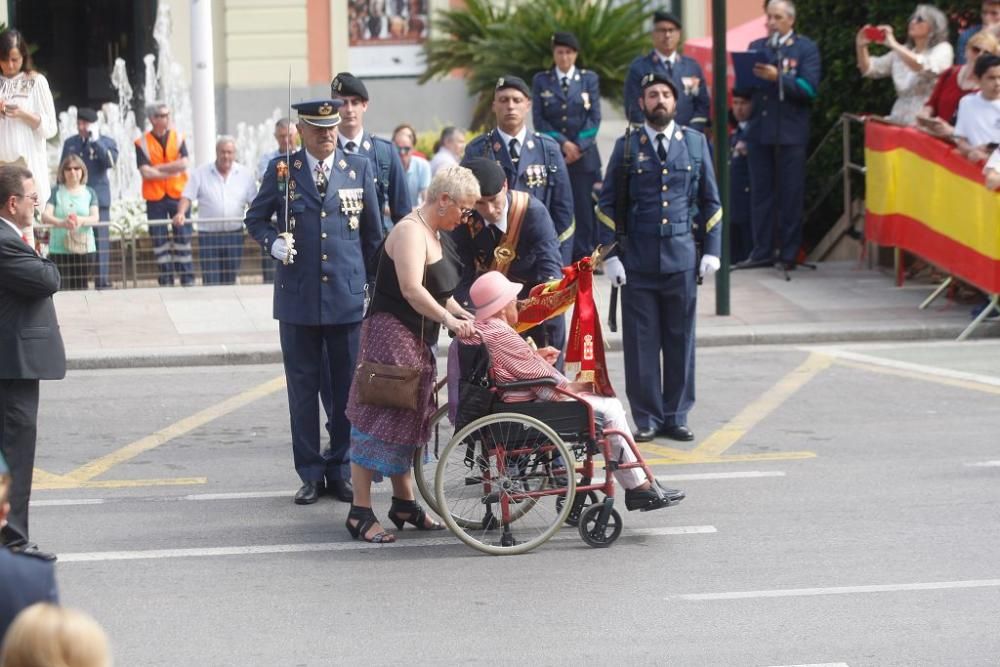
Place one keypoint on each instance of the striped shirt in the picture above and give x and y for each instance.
(513, 359)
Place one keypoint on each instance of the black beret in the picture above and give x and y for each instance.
(490, 175)
(743, 93)
(514, 82)
(658, 77)
(87, 114)
(345, 84)
(660, 15)
(565, 39)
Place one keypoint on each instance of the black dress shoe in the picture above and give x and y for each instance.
(644, 434)
(31, 549)
(682, 433)
(340, 489)
(309, 493)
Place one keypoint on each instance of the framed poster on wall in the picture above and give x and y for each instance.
(386, 36)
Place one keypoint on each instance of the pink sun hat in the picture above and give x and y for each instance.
(491, 293)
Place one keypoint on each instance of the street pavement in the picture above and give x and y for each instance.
(841, 510)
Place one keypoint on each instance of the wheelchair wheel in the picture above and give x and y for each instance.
(499, 481)
(583, 501)
(425, 459)
(596, 535)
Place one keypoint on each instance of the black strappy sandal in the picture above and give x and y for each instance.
(365, 518)
(412, 513)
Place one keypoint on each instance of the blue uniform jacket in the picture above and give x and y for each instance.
(537, 260)
(326, 284)
(786, 123)
(393, 197)
(541, 172)
(574, 116)
(99, 156)
(24, 580)
(693, 109)
(661, 232)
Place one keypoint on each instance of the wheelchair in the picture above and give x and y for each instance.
(513, 474)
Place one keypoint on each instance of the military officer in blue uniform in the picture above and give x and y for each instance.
(672, 202)
(325, 244)
(393, 198)
(532, 161)
(537, 258)
(741, 227)
(693, 105)
(100, 154)
(566, 105)
(778, 136)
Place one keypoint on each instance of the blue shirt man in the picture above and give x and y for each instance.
(672, 203)
(99, 154)
(325, 237)
(693, 104)
(393, 197)
(566, 105)
(532, 161)
(778, 136)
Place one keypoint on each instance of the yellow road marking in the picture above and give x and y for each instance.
(117, 483)
(82, 476)
(918, 375)
(717, 443)
(733, 458)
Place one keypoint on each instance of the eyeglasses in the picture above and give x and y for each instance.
(918, 19)
(33, 197)
(466, 213)
(73, 169)
(975, 50)
(403, 149)
(161, 115)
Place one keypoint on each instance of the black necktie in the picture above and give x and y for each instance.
(350, 147)
(321, 179)
(670, 68)
(565, 84)
(661, 150)
(513, 151)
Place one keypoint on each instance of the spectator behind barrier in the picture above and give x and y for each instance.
(913, 66)
(417, 168)
(938, 115)
(990, 14)
(70, 211)
(44, 635)
(977, 130)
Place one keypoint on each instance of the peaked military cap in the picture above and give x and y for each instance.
(660, 15)
(490, 175)
(87, 114)
(743, 93)
(658, 77)
(567, 39)
(321, 113)
(345, 84)
(515, 82)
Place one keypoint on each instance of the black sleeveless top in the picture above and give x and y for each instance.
(441, 281)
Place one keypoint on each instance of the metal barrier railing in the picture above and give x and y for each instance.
(206, 251)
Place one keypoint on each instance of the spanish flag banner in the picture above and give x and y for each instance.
(923, 197)
(585, 344)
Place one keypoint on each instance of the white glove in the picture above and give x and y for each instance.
(282, 252)
(709, 265)
(615, 271)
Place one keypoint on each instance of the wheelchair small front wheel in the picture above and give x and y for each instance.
(593, 532)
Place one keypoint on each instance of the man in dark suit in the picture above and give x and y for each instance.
(31, 348)
(24, 580)
(325, 243)
(536, 252)
(532, 161)
(693, 104)
(566, 105)
(778, 136)
(100, 154)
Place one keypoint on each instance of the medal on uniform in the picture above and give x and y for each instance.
(281, 171)
(586, 100)
(530, 144)
(351, 204)
(643, 139)
(496, 146)
(367, 146)
(297, 164)
(342, 164)
(352, 174)
(678, 136)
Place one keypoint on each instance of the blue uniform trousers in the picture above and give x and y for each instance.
(302, 346)
(220, 254)
(102, 237)
(777, 191)
(585, 236)
(658, 319)
(172, 256)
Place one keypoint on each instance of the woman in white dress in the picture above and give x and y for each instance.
(27, 113)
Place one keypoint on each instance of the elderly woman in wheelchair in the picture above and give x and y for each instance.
(513, 464)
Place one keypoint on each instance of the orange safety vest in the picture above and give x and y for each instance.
(151, 146)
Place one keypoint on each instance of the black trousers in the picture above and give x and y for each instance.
(18, 432)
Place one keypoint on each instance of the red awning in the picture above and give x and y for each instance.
(737, 39)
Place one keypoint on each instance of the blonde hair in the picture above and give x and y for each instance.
(456, 182)
(71, 160)
(44, 635)
(985, 41)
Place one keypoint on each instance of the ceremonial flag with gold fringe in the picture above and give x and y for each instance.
(585, 344)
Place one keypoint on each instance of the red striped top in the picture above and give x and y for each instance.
(513, 359)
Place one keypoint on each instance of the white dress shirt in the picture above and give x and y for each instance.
(221, 196)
